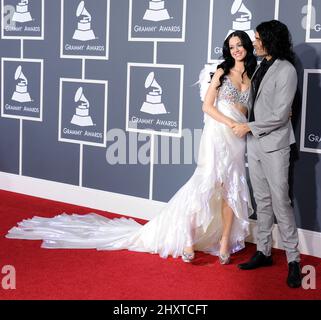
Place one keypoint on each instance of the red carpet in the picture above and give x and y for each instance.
(123, 275)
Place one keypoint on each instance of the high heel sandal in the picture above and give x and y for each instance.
(225, 258)
(188, 257)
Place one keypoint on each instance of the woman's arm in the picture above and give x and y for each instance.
(210, 97)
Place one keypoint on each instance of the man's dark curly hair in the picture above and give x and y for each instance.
(276, 39)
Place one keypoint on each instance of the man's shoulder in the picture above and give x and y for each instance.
(284, 65)
(285, 69)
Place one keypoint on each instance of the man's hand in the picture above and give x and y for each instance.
(241, 129)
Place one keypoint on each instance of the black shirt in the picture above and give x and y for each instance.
(256, 81)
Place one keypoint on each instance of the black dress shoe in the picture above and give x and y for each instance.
(258, 260)
(294, 277)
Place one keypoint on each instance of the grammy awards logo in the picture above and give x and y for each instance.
(81, 117)
(22, 13)
(243, 20)
(156, 11)
(153, 103)
(83, 31)
(21, 94)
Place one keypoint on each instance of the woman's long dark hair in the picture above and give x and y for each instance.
(250, 61)
(276, 40)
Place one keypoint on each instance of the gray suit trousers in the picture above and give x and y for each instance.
(269, 173)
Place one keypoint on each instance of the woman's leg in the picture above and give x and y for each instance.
(188, 252)
(189, 248)
(227, 219)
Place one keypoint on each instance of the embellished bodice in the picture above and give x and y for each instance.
(229, 93)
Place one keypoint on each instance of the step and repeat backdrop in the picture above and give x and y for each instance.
(102, 94)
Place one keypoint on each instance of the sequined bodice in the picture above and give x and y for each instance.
(232, 95)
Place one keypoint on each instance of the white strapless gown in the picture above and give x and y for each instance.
(192, 216)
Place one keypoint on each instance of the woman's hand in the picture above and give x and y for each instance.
(241, 129)
(232, 123)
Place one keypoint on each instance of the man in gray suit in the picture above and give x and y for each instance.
(269, 136)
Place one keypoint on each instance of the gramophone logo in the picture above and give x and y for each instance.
(156, 11)
(84, 31)
(81, 117)
(157, 20)
(22, 13)
(153, 103)
(21, 93)
(243, 18)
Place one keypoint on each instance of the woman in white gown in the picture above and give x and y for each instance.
(209, 213)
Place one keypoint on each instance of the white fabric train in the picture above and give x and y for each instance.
(193, 214)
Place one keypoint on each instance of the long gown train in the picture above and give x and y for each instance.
(191, 217)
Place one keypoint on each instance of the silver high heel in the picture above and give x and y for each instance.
(224, 258)
(188, 257)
